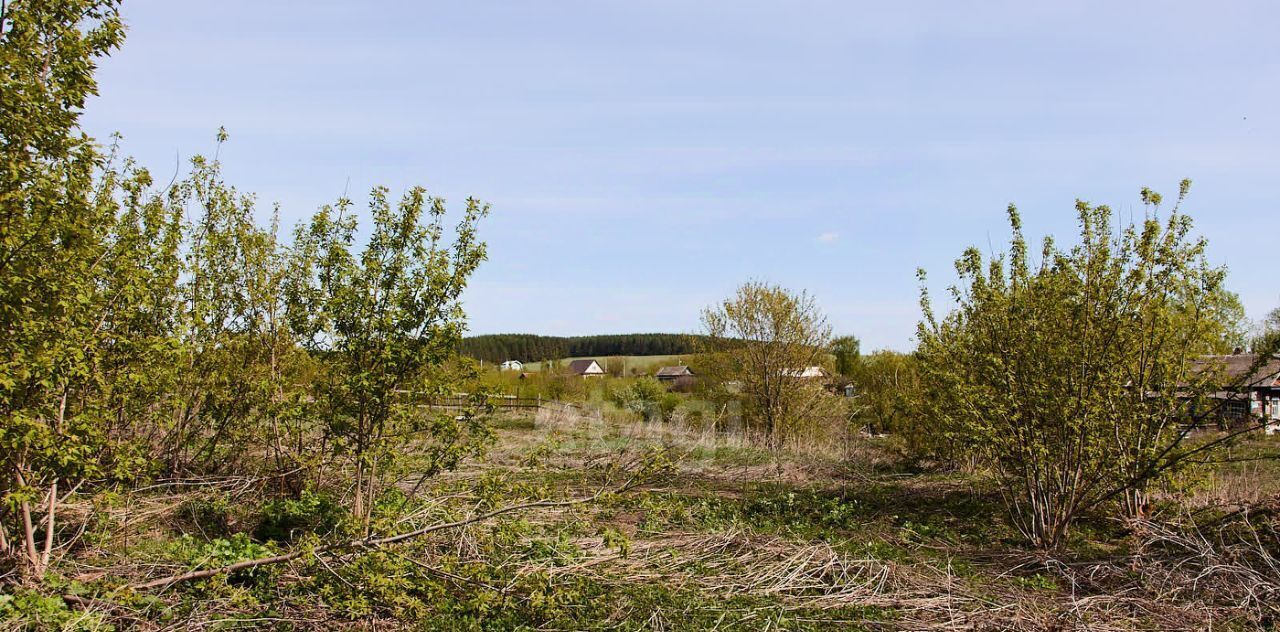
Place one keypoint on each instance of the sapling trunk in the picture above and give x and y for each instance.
(28, 528)
(49, 524)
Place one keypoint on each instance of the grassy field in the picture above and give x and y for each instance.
(716, 535)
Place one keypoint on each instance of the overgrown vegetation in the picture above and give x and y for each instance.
(210, 423)
(141, 346)
(1072, 378)
(761, 345)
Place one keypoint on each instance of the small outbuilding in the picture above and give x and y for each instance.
(586, 368)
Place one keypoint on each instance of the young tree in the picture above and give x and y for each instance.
(68, 258)
(887, 384)
(847, 350)
(92, 345)
(388, 325)
(1267, 334)
(239, 359)
(757, 344)
(1070, 378)
(615, 367)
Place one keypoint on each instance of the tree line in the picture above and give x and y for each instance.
(535, 348)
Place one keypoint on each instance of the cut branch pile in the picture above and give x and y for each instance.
(371, 542)
(802, 576)
(1232, 569)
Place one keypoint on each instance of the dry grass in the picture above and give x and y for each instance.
(1231, 568)
(874, 566)
(1175, 579)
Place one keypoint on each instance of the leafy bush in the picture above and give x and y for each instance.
(221, 552)
(648, 398)
(1069, 377)
(285, 519)
(29, 610)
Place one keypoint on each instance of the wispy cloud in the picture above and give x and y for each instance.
(828, 237)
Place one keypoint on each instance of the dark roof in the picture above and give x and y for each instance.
(580, 366)
(674, 371)
(1239, 368)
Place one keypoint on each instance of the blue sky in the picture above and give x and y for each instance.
(644, 158)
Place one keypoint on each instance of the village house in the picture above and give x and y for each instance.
(586, 368)
(1250, 389)
(677, 378)
(673, 373)
(807, 373)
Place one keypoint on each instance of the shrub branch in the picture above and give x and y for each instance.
(366, 543)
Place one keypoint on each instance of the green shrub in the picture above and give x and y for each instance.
(29, 610)
(668, 404)
(377, 582)
(212, 517)
(648, 398)
(221, 552)
(285, 519)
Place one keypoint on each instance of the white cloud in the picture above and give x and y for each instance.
(827, 238)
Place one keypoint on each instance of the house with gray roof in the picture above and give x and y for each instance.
(1250, 387)
(673, 373)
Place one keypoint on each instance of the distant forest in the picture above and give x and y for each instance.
(534, 348)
